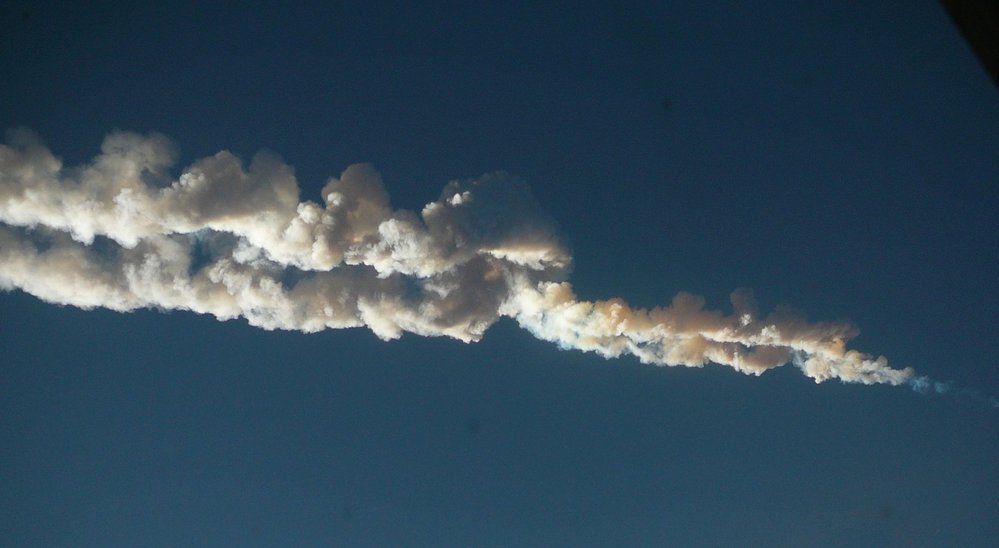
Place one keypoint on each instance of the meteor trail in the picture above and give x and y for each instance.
(234, 241)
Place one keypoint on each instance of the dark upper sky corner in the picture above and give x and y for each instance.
(978, 21)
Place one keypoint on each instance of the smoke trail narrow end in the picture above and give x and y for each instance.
(967, 396)
(237, 241)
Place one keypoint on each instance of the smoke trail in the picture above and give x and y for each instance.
(968, 396)
(232, 241)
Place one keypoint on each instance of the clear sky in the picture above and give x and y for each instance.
(840, 159)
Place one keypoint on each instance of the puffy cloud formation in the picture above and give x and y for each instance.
(235, 241)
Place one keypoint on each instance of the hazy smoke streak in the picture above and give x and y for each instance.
(969, 396)
(120, 233)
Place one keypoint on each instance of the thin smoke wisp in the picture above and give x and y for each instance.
(238, 241)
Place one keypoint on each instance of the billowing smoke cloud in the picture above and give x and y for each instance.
(235, 241)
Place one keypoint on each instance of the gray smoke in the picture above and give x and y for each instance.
(235, 241)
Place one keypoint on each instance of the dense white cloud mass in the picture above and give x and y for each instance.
(232, 241)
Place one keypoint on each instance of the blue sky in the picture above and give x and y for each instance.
(838, 159)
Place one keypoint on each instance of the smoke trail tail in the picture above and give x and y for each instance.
(968, 396)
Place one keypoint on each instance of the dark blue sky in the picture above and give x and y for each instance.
(843, 160)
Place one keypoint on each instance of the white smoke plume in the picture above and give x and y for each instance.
(232, 241)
